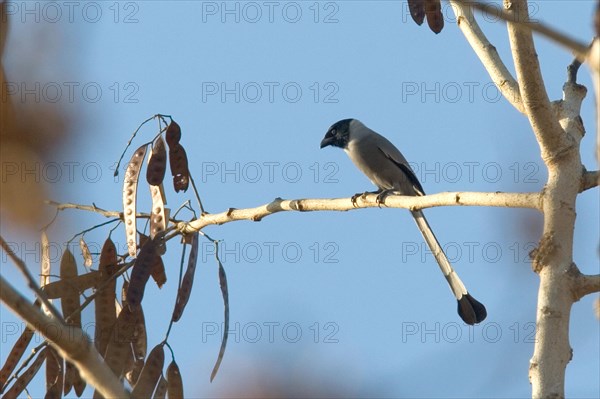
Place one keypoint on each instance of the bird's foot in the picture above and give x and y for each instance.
(355, 198)
(381, 196)
(362, 196)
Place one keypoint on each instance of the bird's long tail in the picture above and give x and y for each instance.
(469, 309)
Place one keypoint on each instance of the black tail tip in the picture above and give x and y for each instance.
(471, 310)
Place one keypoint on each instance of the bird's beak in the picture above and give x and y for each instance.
(326, 141)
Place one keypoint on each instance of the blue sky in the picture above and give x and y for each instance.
(347, 303)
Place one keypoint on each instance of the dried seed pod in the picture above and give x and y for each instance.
(179, 167)
(105, 311)
(85, 252)
(79, 385)
(130, 183)
(143, 239)
(173, 133)
(133, 370)
(119, 345)
(161, 388)
(225, 292)
(417, 10)
(25, 378)
(45, 264)
(184, 292)
(79, 283)
(15, 355)
(45, 267)
(158, 272)
(435, 18)
(150, 373)
(70, 294)
(157, 164)
(158, 217)
(140, 273)
(140, 337)
(54, 374)
(175, 383)
(124, 289)
(70, 306)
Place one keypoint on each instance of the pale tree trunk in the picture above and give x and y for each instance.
(558, 129)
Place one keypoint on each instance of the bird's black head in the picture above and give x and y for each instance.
(338, 134)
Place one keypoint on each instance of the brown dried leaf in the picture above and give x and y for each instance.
(25, 378)
(157, 164)
(179, 167)
(140, 273)
(185, 290)
(175, 382)
(80, 283)
(105, 310)
(225, 292)
(15, 355)
(54, 374)
(161, 388)
(130, 183)
(85, 252)
(150, 373)
(173, 133)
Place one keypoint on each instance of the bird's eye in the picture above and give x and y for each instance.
(333, 132)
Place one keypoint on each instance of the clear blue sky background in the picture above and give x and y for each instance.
(350, 304)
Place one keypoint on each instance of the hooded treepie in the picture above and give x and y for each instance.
(387, 168)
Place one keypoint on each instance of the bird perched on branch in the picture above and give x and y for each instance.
(387, 168)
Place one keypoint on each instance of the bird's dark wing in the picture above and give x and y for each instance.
(408, 172)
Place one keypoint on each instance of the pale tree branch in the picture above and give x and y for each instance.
(493, 199)
(487, 53)
(544, 122)
(578, 48)
(71, 342)
(498, 199)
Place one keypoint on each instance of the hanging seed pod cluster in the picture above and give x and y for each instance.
(116, 285)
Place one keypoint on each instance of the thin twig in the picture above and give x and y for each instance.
(578, 48)
(129, 142)
(30, 281)
(197, 194)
